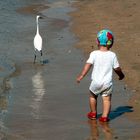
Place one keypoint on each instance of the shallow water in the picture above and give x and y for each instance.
(44, 101)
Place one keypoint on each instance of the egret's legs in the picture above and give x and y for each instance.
(34, 57)
(41, 56)
(41, 52)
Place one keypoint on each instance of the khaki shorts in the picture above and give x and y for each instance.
(105, 92)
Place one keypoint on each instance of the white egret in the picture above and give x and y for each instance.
(37, 39)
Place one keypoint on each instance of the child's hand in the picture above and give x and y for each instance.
(119, 73)
(121, 76)
(79, 78)
(84, 72)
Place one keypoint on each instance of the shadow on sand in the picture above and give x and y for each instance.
(118, 112)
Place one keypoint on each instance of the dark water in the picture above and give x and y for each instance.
(42, 102)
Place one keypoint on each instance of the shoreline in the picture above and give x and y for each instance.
(88, 19)
(7, 68)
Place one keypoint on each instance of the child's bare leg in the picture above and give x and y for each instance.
(93, 102)
(106, 105)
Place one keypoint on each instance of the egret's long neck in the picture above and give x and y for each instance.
(37, 30)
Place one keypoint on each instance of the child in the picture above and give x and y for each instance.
(104, 62)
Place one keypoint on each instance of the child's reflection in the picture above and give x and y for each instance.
(97, 128)
(94, 130)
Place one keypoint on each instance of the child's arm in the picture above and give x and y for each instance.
(84, 72)
(119, 73)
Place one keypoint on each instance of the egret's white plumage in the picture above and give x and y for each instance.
(37, 39)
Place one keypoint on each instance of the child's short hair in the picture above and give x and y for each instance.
(105, 38)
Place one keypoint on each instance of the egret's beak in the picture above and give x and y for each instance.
(41, 17)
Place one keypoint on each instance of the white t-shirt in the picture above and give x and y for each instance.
(103, 64)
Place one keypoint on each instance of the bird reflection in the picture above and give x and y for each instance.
(39, 91)
(96, 128)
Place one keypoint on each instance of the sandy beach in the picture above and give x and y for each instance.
(122, 18)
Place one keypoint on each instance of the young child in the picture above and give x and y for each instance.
(104, 62)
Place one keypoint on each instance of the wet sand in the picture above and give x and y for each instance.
(44, 100)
